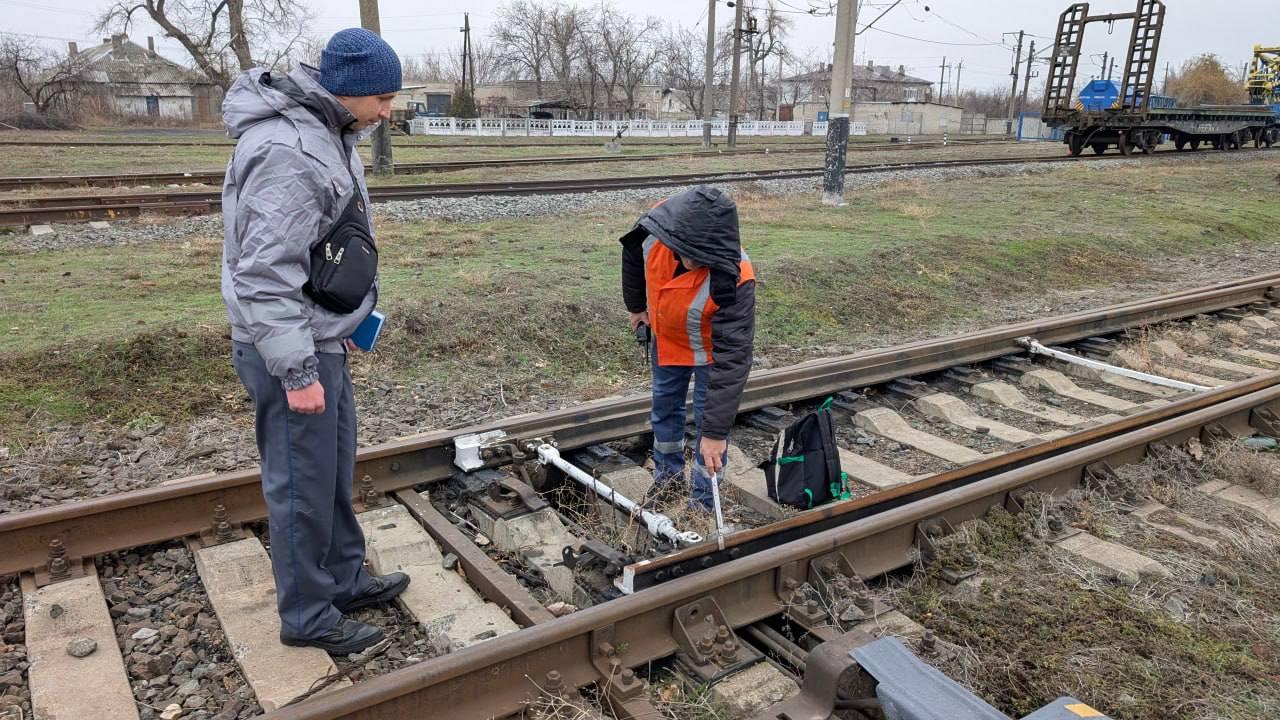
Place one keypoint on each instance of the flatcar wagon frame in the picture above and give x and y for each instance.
(1133, 125)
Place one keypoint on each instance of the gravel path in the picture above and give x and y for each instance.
(476, 209)
(173, 646)
(15, 696)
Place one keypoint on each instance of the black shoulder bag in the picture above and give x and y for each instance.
(803, 469)
(344, 263)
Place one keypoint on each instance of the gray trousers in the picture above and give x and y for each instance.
(317, 547)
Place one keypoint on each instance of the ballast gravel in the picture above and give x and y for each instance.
(494, 207)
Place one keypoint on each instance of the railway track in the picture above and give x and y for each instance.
(934, 433)
(215, 177)
(30, 211)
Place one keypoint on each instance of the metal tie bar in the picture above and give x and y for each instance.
(1035, 348)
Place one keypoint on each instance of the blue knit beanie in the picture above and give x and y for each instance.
(357, 62)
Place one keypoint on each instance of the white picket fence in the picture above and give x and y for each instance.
(499, 127)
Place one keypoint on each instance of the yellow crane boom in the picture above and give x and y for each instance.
(1264, 77)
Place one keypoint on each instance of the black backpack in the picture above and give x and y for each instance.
(803, 470)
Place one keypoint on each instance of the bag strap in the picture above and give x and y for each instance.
(828, 446)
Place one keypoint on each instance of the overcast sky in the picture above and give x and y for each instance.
(971, 32)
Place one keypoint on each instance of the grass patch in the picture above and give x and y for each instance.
(1196, 646)
(534, 303)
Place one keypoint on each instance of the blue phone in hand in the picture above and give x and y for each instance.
(366, 334)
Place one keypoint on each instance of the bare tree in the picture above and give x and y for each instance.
(763, 44)
(682, 62)
(632, 49)
(46, 79)
(223, 37)
(521, 39)
(565, 51)
(680, 66)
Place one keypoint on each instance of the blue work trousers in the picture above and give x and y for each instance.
(317, 547)
(667, 418)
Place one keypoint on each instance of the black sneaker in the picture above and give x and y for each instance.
(347, 637)
(382, 588)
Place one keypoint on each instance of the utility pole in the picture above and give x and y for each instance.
(1013, 94)
(708, 75)
(956, 97)
(1026, 80)
(839, 104)
(735, 74)
(1111, 71)
(777, 110)
(1106, 69)
(382, 163)
(942, 75)
(466, 39)
(1165, 90)
(469, 62)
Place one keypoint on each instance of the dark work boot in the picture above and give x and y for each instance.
(381, 589)
(347, 637)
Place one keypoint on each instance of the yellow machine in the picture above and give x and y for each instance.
(1264, 77)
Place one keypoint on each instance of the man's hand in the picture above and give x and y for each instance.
(639, 318)
(712, 452)
(308, 400)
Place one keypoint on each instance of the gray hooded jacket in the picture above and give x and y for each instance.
(292, 173)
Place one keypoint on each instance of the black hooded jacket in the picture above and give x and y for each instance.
(702, 225)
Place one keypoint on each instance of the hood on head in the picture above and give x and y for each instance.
(700, 224)
(259, 95)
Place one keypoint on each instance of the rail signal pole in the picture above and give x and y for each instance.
(839, 98)
(382, 163)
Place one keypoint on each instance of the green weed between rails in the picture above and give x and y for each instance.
(535, 302)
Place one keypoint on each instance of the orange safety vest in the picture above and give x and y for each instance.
(680, 306)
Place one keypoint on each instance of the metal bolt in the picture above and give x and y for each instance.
(221, 526)
(722, 633)
(628, 676)
(790, 584)
(486, 453)
(827, 568)
(59, 568)
(395, 467)
(706, 643)
(368, 493)
(864, 602)
(554, 681)
(970, 558)
(729, 650)
(811, 607)
(928, 642)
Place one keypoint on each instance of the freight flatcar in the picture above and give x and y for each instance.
(1136, 120)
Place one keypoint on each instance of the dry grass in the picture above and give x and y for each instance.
(1200, 645)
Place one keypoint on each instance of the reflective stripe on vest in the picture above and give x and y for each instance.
(680, 306)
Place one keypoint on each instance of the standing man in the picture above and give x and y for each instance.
(294, 175)
(685, 276)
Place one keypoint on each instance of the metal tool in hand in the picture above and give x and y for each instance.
(643, 338)
(715, 502)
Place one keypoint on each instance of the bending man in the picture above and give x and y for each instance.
(685, 275)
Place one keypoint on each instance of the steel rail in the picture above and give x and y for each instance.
(547, 141)
(63, 209)
(185, 507)
(497, 679)
(211, 177)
